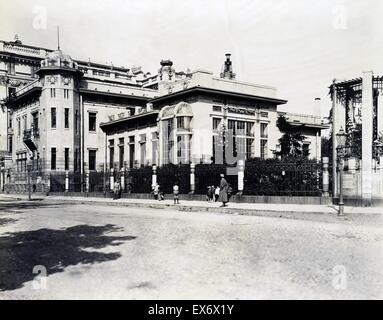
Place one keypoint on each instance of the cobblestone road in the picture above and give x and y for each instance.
(111, 252)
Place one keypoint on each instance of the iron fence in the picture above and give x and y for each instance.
(283, 179)
(140, 180)
(57, 182)
(75, 180)
(209, 175)
(261, 177)
(170, 174)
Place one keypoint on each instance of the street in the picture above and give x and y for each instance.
(95, 251)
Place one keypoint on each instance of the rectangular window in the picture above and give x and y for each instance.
(18, 127)
(66, 93)
(180, 122)
(231, 125)
(249, 143)
(53, 158)
(66, 117)
(306, 149)
(154, 151)
(10, 147)
(35, 120)
(92, 159)
(92, 121)
(66, 157)
(241, 127)
(53, 117)
(179, 147)
(53, 93)
(216, 123)
(25, 122)
(249, 128)
(217, 108)
(142, 153)
(111, 153)
(264, 130)
(263, 149)
(121, 153)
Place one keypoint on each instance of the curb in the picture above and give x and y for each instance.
(299, 215)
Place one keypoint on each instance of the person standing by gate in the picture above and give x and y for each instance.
(116, 189)
(176, 193)
(223, 191)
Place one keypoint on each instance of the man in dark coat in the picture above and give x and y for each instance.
(223, 190)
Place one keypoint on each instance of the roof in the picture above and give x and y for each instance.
(125, 119)
(217, 91)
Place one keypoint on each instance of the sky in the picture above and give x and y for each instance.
(297, 46)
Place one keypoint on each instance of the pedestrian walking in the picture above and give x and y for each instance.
(210, 193)
(156, 191)
(223, 186)
(176, 192)
(116, 190)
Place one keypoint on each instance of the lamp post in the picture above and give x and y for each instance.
(341, 141)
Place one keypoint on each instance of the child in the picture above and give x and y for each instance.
(216, 194)
(156, 191)
(176, 193)
(210, 193)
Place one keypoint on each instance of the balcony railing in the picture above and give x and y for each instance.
(29, 133)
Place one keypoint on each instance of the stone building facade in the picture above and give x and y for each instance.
(78, 116)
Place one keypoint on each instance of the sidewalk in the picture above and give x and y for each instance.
(311, 212)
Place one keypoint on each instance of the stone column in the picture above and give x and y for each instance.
(325, 177)
(122, 181)
(367, 115)
(241, 175)
(338, 121)
(111, 179)
(66, 181)
(87, 181)
(192, 178)
(154, 176)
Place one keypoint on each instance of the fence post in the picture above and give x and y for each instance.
(111, 179)
(154, 175)
(325, 177)
(192, 178)
(122, 179)
(87, 181)
(48, 188)
(241, 169)
(66, 181)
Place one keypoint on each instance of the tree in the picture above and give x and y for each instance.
(326, 146)
(292, 139)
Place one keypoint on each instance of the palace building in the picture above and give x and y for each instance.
(80, 116)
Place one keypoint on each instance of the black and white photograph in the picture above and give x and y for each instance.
(191, 150)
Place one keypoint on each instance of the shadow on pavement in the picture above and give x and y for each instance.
(54, 249)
